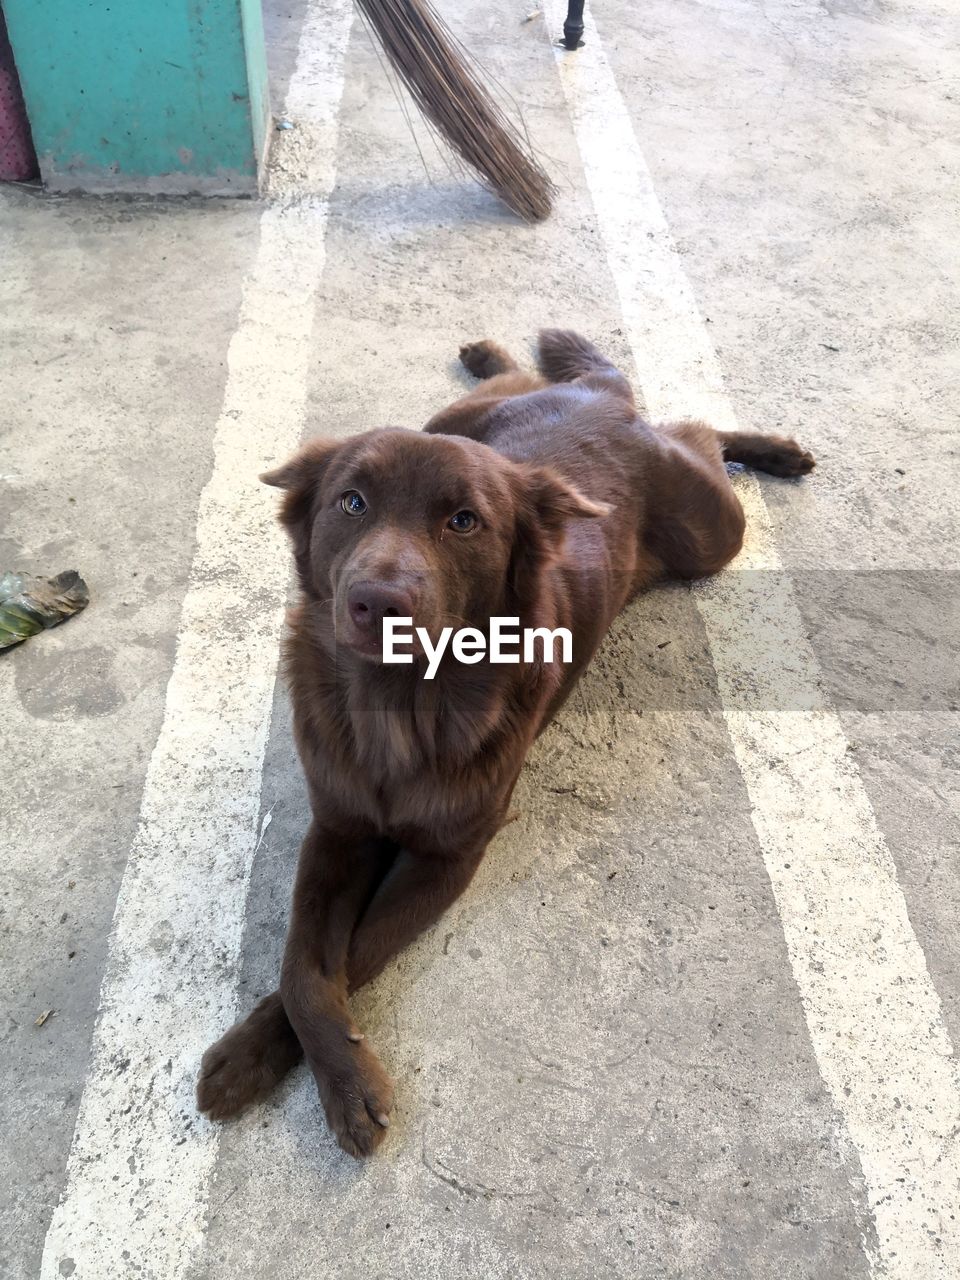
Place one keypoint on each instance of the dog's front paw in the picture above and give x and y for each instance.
(484, 359)
(357, 1096)
(248, 1062)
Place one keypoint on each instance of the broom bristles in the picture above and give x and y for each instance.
(446, 86)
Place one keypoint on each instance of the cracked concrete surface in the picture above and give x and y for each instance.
(603, 1066)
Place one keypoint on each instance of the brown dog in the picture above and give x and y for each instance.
(542, 498)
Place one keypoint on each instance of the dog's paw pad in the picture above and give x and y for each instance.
(483, 359)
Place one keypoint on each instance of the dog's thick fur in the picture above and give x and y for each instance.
(577, 504)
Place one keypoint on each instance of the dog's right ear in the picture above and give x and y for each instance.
(300, 479)
(305, 468)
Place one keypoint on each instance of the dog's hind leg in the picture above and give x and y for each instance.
(565, 356)
(500, 377)
(485, 359)
(777, 455)
(499, 373)
(694, 520)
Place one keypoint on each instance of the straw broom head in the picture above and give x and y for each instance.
(445, 84)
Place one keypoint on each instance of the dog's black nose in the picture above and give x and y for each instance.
(370, 602)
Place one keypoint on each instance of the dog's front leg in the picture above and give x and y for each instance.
(335, 878)
(413, 894)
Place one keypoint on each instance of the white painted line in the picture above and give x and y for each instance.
(138, 1173)
(874, 1017)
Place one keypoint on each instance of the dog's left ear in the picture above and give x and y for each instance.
(555, 500)
(544, 504)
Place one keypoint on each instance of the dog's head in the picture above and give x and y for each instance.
(440, 529)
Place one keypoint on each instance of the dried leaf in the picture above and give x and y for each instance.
(29, 604)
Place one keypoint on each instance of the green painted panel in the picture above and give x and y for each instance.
(252, 18)
(161, 95)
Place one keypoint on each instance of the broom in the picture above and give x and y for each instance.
(445, 84)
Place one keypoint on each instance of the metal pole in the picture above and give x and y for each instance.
(573, 27)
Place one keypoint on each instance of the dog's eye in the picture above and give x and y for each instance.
(352, 503)
(463, 521)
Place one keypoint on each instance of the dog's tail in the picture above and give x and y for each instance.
(565, 356)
